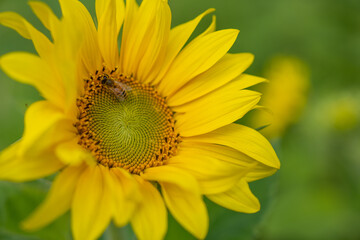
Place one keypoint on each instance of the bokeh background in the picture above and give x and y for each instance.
(315, 195)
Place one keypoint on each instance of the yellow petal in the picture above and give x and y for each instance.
(72, 84)
(145, 33)
(46, 51)
(101, 8)
(76, 44)
(41, 119)
(239, 198)
(125, 195)
(246, 80)
(19, 168)
(182, 197)
(179, 35)
(254, 169)
(14, 21)
(70, 152)
(214, 110)
(120, 14)
(30, 69)
(91, 212)
(117, 200)
(131, 10)
(58, 200)
(150, 220)
(154, 48)
(67, 45)
(128, 183)
(211, 28)
(213, 174)
(259, 171)
(187, 208)
(229, 67)
(171, 174)
(45, 127)
(264, 117)
(41, 43)
(107, 31)
(169, 51)
(134, 31)
(44, 13)
(243, 139)
(197, 57)
(77, 18)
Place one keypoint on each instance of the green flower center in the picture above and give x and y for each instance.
(125, 123)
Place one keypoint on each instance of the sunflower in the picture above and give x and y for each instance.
(136, 131)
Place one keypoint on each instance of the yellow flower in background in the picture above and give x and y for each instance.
(284, 97)
(118, 125)
(345, 112)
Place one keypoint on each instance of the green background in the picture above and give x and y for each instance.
(315, 195)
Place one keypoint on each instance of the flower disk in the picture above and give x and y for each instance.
(116, 112)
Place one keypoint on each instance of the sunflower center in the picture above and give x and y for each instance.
(125, 123)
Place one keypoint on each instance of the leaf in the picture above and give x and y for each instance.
(17, 201)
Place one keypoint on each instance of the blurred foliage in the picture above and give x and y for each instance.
(316, 194)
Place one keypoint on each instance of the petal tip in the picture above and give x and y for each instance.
(27, 225)
(251, 57)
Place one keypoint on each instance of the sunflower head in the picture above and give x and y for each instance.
(117, 112)
(118, 123)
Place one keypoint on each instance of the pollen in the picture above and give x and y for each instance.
(125, 123)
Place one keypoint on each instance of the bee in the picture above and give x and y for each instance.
(114, 86)
(106, 80)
